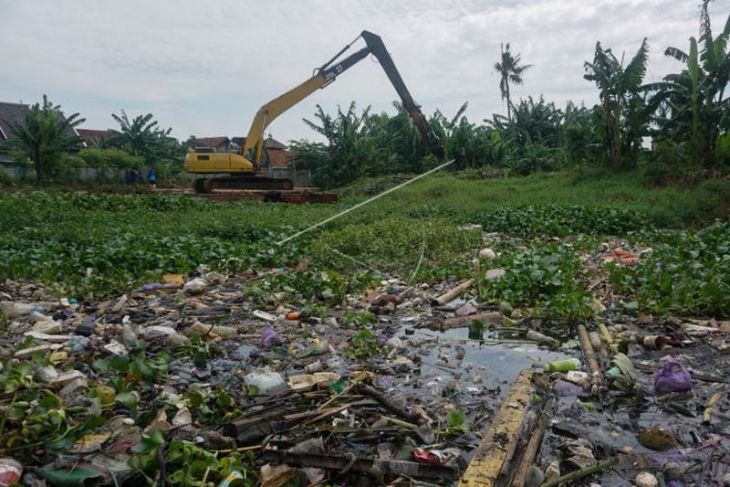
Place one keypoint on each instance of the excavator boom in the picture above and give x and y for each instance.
(248, 161)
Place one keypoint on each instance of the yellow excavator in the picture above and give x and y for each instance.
(245, 169)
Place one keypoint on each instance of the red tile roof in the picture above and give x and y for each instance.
(95, 133)
(212, 141)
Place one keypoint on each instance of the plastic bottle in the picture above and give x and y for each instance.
(564, 365)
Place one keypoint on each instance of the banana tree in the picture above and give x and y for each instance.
(351, 150)
(141, 136)
(43, 136)
(694, 107)
(625, 113)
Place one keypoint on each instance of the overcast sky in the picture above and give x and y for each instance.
(205, 67)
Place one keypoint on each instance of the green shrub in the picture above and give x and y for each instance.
(544, 278)
(111, 158)
(685, 273)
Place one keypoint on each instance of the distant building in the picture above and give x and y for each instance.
(11, 114)
(279, 155)
(217, 144)
(95, 138)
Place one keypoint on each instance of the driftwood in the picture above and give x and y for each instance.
(583, 472)
(535, 336)
(253, 428)
(605, 443)
(596, 377)
(387, 403)
(533, 446)
(453, 293)
(598, 345)
(493, 317)
(371, 466)
(238, 426)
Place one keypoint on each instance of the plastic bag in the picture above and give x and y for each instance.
(673, 377)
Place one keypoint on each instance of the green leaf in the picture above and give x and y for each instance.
(456, 418)
(128, 400)
(72, 477)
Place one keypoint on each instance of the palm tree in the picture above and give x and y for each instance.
(44, 136)
(510, 71)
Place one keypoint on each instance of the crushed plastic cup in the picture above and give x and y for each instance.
(10, 472)
(153, 286)
(673, 377)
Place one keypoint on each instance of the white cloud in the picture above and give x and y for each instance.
(205, 67)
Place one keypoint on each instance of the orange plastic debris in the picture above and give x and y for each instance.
(626, 258)
(293, 315)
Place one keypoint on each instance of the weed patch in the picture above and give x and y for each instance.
(543, 278)
(686, 273)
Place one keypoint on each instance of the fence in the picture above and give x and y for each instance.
(301, 178)
(15, 171)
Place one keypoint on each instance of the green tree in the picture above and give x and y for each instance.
(694, 108)
(625, 112)
(532, 139)
(351, 150)
(509, 70)
(579, 133)
(44, 137)
(142, 136)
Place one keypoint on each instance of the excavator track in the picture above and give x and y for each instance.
(203, 185)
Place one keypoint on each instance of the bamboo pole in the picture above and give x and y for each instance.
(596, 377)
(453, 293)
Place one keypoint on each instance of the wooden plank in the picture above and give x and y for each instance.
(286, 196)
(498, 442)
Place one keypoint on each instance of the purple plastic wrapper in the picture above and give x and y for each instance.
(673, 377)
(269, 337)
(567, 389)
(154, 286)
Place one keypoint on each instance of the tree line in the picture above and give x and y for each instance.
(686, 117)
(46, 141)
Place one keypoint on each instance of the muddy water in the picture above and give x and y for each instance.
(494, 361)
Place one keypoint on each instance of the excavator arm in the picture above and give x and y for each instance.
(327, 74)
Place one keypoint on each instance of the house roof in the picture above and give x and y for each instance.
(95, 133)
(211, 141)
(11, 113)
(269, 143)
(94, 137)
(272, 143)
